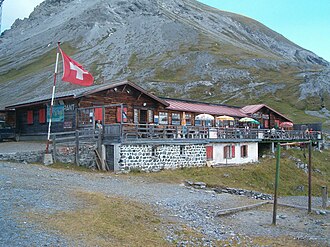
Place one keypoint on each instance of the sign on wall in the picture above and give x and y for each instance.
(67, 125)
(69, 107)
(58, 113)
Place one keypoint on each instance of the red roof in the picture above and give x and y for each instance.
(250, 109)
(177, 105)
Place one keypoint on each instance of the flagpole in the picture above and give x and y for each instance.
(53, 96)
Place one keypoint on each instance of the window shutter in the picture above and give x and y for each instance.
(233, 151)
(119, 114)
(98, 114)
(209, 152)
(225, 152)
(246, 151)
(42, 116)
(30, 117)
(242, 151)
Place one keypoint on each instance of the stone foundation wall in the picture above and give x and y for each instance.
(24, 157)
(147, 157)
(67, 154)
(64, 154)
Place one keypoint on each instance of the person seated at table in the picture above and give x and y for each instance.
(273, 132)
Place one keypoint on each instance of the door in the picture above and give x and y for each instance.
(110, 156)
(143, 117)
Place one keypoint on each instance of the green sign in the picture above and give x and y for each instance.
(58, 113)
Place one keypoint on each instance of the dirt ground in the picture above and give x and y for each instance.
(28, 188)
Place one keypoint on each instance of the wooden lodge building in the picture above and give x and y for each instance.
(141, 130)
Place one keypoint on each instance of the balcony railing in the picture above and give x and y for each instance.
(152, 131)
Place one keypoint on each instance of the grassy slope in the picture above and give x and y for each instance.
(284, 100)
(105, 221)
(37, 65)
(115, 221)
(258, 177)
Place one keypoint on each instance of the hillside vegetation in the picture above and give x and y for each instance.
(258, 177)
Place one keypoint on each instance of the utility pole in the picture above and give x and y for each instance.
(1, 2)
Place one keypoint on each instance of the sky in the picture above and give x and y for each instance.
(304, 22)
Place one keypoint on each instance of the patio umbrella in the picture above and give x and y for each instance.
(248, 120)
(183, 121)
(225, 118)
(286, 124)
(204, 117)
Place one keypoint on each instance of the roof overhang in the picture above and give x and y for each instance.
(114, 85)
(78, 93)
(258, 107)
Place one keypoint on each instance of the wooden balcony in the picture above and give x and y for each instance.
(130, 132)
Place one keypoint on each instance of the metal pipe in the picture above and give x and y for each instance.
(277, 180)
(310, 177)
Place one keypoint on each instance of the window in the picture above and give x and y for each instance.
(229, 151)
(42, 116)
(163, 118)
(85, 116)
(154, 151)
(188, 119)
(208, 123)
(156, 119)
(136, 116)
(182, 150)
(209, 152)
(150, 116)
(176, 119)
(198, 122)
(244, 151)
(30, 117)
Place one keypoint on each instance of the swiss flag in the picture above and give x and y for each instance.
(73, 72)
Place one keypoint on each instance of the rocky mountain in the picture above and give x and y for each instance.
(174, 48)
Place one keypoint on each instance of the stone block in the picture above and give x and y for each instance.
(48, 159)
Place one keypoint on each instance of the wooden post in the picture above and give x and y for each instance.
(54, 147)
(77, 147)
(324, 197)
(310, 177)
(99, 150)
(277, 180)
(99, 141)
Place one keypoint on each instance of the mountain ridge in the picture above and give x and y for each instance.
(177, 48)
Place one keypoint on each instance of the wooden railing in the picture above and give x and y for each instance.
(150, 131)
(75, 139)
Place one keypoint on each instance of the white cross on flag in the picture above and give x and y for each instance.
(73, 72)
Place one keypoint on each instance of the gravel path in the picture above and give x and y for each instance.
(7, 147)
(34, 188)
